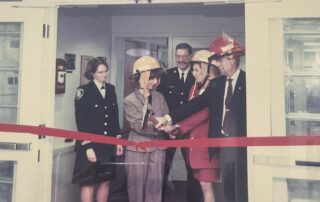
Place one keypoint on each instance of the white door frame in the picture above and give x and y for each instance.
(32, 181)
(268, 167)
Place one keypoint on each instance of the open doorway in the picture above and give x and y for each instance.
(96, 30)
(108, 31)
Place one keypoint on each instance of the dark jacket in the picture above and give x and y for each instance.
(213, 98)
(95, 114)
(174, 91)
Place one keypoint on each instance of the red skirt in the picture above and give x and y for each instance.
(206, 174)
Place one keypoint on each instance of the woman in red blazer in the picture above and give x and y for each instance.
(196, 126)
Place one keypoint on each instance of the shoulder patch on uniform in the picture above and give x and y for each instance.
(79, 94)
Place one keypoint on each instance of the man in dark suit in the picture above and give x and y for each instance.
(175, 86)
(226, 99)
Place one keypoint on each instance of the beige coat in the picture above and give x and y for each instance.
(133, 107)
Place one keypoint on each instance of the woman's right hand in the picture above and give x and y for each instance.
(91, 155)
(171, 130)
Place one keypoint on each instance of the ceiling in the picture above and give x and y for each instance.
(220, 10)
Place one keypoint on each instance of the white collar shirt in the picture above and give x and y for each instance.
(185, 73)
(101, 90)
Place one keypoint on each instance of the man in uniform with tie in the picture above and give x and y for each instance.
(175, 86)
(177, 81)
(226, 99)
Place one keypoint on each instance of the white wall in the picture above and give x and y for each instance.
(176, 25)
(87, 31)
(81, 35)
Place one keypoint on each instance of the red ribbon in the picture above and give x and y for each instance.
(45, 131)
(211, 142)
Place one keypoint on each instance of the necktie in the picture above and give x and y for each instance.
(227, 103)
(102, 91)
(182, 77)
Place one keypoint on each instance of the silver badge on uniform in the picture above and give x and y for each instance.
(80, 93)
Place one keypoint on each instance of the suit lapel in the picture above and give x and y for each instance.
(176, 76)
(220, 102)
(139, 96)
(96, 91)
(240, 85)
(108, 90)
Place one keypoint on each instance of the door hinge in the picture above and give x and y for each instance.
(38, 155)
(40, 136)
(45, 30)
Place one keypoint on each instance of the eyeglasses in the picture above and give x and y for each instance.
(182, 57)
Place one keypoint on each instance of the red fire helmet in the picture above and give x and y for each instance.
(225, 45)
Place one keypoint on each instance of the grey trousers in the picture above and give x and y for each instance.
(145, 180)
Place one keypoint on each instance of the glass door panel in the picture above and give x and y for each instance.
(23, 70)
(9, 70)
(303, 190)
(296, 190)
(302, 76)
(7, 172)
(292, 173)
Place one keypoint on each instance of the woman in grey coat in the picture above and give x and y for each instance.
(145, 167)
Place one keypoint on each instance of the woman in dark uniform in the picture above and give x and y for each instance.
(96, 112)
